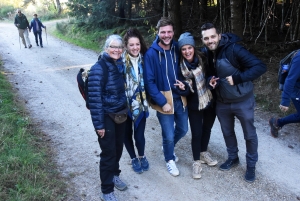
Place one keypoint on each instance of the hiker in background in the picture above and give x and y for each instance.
(22, 24)
(106, 92)
(200, 102)
(291, 91)
(37, 25)
(235, 69)
(135, 47)
(163, 77)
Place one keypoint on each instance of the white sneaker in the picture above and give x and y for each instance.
(197, 170)
(172, 168)
(176, 158)
(205, 157)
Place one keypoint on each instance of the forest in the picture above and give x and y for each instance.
(263, 21)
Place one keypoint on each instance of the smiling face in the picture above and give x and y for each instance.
(165, 35)
(211, 39)
(115, 49)
(133, 46)
(188, 52)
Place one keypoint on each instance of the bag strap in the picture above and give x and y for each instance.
(105, 71)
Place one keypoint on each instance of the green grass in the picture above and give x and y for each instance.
(26, 169)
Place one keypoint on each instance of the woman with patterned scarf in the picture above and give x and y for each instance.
(136, 99)
(200, 102)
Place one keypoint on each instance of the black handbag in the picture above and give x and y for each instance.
(119, 117)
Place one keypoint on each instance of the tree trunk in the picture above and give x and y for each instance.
(58, 7)
(203, 11)
(129, 8)
(174, 14)
(122, 11)
(236, 17)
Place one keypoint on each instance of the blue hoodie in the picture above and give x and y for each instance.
(291, 87)
(161, 70)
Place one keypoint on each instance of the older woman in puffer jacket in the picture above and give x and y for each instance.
(106, 91)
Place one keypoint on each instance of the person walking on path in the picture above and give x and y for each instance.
(106, 91)
(22, 24)
(167, 93)
(136, 98)
(36, 25)
(235, 68)
(291, 91)
(201, 107)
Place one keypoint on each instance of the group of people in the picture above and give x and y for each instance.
(23, 26)
(183, 85)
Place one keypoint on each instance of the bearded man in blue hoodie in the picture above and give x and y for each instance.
(235, 69)
(166, 92)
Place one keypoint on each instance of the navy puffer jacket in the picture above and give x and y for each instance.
(106, 91)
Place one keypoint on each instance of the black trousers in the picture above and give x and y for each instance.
(201, 123)
(111, 151)
(36, 34)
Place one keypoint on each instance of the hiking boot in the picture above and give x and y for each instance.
(108, 197)
(30, 46)
(144, 163)
(136, 165)
(197, 170)
(176, 158)
(250, 174)
(119, 184)
(205, 157)
(274, 127)
(230, 163)
(172, 168)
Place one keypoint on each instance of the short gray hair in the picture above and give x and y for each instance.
(112, 38)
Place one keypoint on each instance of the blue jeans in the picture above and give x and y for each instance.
(243, 111)
(293, 118)
(171, 135)
(36, 34)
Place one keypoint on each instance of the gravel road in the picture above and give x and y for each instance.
(45, 79)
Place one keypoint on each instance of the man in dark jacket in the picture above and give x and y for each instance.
(37, 25)
(22, 24)
(291, 91)
(161, 76)
(235, 69)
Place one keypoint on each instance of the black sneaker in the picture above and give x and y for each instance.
(30, 46)
(274, 127)
(25, 46)
(250, 174)
(37, 44)
(41, 45)
(229, 164)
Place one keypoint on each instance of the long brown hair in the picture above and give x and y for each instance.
(134, 33)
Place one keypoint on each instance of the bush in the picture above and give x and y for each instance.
(4, 10)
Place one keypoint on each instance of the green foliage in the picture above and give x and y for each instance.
(94, 13)
(26, 172)
(4, 10)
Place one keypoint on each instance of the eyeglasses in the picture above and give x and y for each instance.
(116, 47)
(19, 12)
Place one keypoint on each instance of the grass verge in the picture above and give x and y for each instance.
(26, 169)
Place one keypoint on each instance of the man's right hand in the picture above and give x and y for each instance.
(167, 108)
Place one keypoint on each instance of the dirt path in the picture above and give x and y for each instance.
(45, 79)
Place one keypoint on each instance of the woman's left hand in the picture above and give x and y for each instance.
(180, 85)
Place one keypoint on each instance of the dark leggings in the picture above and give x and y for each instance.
(201, 123)
(36, 34)
(139, 137)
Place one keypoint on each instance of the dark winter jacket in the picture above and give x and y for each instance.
(34, 27)
(106, 95)
(234, 60)
(22, 21)
(291, 88)
(156, 75)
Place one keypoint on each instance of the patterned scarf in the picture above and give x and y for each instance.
(204, 94)
(135, 90)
